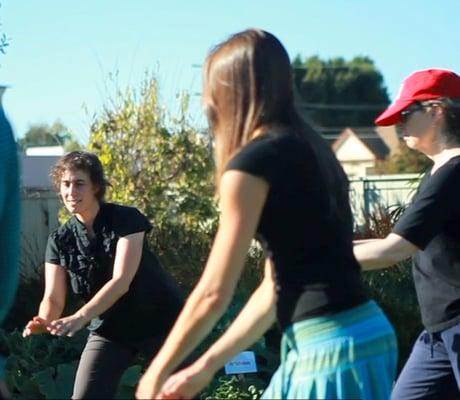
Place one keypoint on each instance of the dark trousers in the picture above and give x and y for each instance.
(102, 364)
(4, 394)
(433, 368)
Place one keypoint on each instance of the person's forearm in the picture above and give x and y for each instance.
(363, 241)
(254, 320)
(103, 299)
(49, 309)
(375, 255)
(197, 318)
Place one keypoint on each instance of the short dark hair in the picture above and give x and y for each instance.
(452, 121)
(83, 161)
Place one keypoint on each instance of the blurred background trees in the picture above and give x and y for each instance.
(339, 93)
(57, 134)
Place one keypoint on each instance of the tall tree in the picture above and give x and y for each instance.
(338, 93)
(45, 135)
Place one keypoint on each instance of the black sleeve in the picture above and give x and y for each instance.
(128, 220)
(52, 252)
(260, 158)
(437, 202)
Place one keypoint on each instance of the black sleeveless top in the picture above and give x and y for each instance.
(316, 271)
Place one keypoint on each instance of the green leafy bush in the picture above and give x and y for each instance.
(162, 165)
(393, 288)
(234, 387)
(42, 366)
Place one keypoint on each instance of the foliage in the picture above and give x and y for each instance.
(379, 222)
(40, 367)
(164, 171)
(44, 135)
(30, 287)
(128, 382)
(356, 86)
(234, 387)
(393, 287)
(394, 291)
(162, 166)
(44, 367)
(4, 41)
(266, 349)
(404, 161)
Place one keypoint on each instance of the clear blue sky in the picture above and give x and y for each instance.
(62, 52)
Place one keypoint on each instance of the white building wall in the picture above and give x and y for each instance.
(355, 157)
(39, 217)
(352, 149)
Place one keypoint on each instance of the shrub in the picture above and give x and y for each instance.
(234, 387)
(393, 287)
(40, 367)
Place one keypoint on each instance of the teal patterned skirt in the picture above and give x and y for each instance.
(349, 355)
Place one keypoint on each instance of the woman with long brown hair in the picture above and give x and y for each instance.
(280, 183)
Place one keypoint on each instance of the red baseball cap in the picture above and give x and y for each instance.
(427, 84)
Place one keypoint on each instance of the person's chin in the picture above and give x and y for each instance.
(72, 208)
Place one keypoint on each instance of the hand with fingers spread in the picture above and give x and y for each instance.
(35, 326)
(67, 326)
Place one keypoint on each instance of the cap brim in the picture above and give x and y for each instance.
(391, 115)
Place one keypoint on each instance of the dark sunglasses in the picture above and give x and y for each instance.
(404, 115)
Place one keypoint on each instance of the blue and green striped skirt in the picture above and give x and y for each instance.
(348, 355)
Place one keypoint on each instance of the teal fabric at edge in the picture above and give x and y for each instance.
(9, 220)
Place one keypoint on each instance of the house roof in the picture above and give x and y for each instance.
(330, 139)
(368, 136)
(45, 151)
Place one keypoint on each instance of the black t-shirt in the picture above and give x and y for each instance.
(311, 247)
(153, 301)
(432, 224)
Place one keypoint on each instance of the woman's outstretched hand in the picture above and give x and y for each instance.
(35, 326)
(67, 326)
(186, 383)
(149, 385)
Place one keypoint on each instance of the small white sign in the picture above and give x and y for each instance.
(243, 363)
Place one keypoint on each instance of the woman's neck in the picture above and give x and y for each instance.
(443, 157)
(88, 216)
